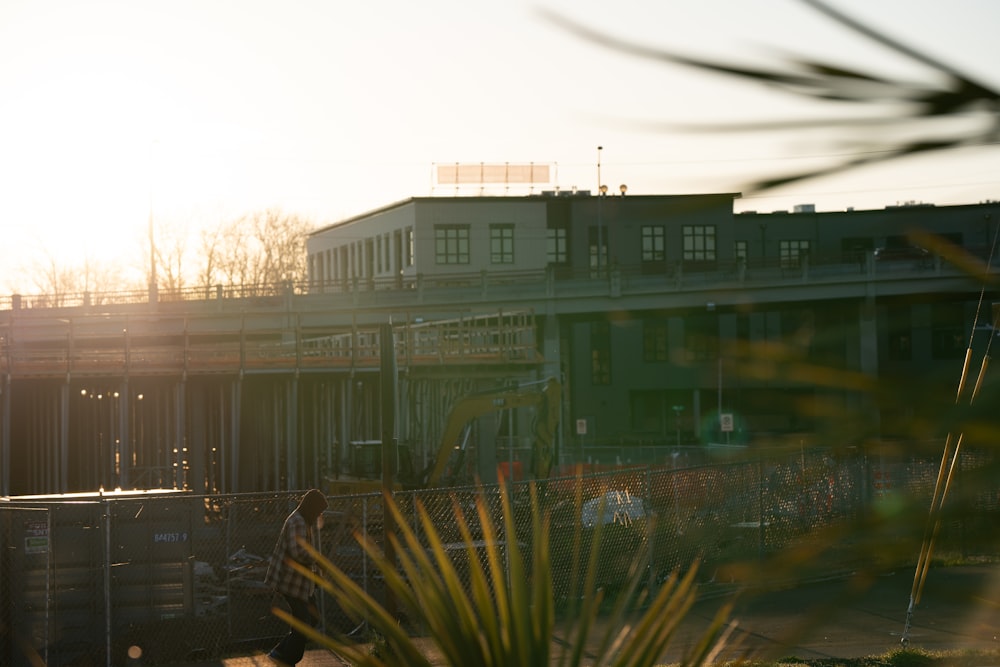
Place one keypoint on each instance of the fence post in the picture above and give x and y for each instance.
(761, 537)
(106, 510)
(230, 519)
(364, 554)
(650, 529)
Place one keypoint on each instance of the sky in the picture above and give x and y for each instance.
(194, 112)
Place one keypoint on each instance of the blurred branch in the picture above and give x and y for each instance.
(924, 105)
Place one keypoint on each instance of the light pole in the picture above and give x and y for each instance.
(152, 241)
(600, 227)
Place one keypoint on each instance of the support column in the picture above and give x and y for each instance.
(868, 359)
(236, 400)
(63, 438)
(180, 441)
(199, 425)
(123, 443)
(291, 432)
(551, 347)
(553, 353)
(5, 438)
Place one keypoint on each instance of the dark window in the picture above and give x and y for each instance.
(743, 327)
(409, 250)
(556, 242)
(791, 253)
(699, 243)
(947, 331)
(701, 339)
(647, 411)
(653, 243)
(654, 341)
(502, 244)
(451, 244)
(600, 353)
(900, 333)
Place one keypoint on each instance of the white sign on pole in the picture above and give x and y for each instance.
(726, 422)
(581, 427)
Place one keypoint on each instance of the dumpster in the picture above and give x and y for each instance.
(79, 570)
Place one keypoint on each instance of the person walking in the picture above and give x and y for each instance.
(296, 588)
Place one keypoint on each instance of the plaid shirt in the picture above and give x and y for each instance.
(280, 574)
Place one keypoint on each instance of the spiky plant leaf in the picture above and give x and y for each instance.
(504, 613)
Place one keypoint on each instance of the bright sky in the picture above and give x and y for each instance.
(207, 109)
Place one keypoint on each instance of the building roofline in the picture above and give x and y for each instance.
(583, 195)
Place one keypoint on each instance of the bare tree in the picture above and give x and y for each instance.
(169, 250)
(211, 245)
(258, 253)
(62, 284)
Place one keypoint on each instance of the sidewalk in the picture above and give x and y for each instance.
(842, 618)
(312, 658)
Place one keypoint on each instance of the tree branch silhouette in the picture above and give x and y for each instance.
(922, 106)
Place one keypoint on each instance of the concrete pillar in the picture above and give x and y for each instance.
(868, 359)
(63, 438)
(553, 353)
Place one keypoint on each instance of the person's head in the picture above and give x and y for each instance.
(312, 505)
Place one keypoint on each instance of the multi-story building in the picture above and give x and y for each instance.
(672, 318)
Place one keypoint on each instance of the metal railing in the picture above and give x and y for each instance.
(485, 284)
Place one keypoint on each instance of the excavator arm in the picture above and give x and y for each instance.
(545, 396)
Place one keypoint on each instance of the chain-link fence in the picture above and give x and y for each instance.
(181, 576)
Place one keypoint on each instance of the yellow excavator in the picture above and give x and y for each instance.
(545, 396)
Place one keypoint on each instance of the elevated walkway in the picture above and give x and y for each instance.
(51, 343)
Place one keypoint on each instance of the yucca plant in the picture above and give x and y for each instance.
(505, 614)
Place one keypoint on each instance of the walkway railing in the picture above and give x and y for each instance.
(485, 285)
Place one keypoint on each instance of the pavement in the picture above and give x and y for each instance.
(848, 617)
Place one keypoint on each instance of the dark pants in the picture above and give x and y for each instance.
(291, 648)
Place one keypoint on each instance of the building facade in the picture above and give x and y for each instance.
(667, 319)
(706, 325)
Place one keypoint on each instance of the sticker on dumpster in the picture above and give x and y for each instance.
(36, 537)
(170, 537)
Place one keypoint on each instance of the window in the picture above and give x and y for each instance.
(408, 249)
(900, 333)
(701, 339)
(451, 244)
(647, 411)
(654, 341)
(740, 250)
(600, 353)
(947, 331)
(699, 243)
(555, 245)
(598, 250)
(653, 243)
(792, 252)
(502, 244)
